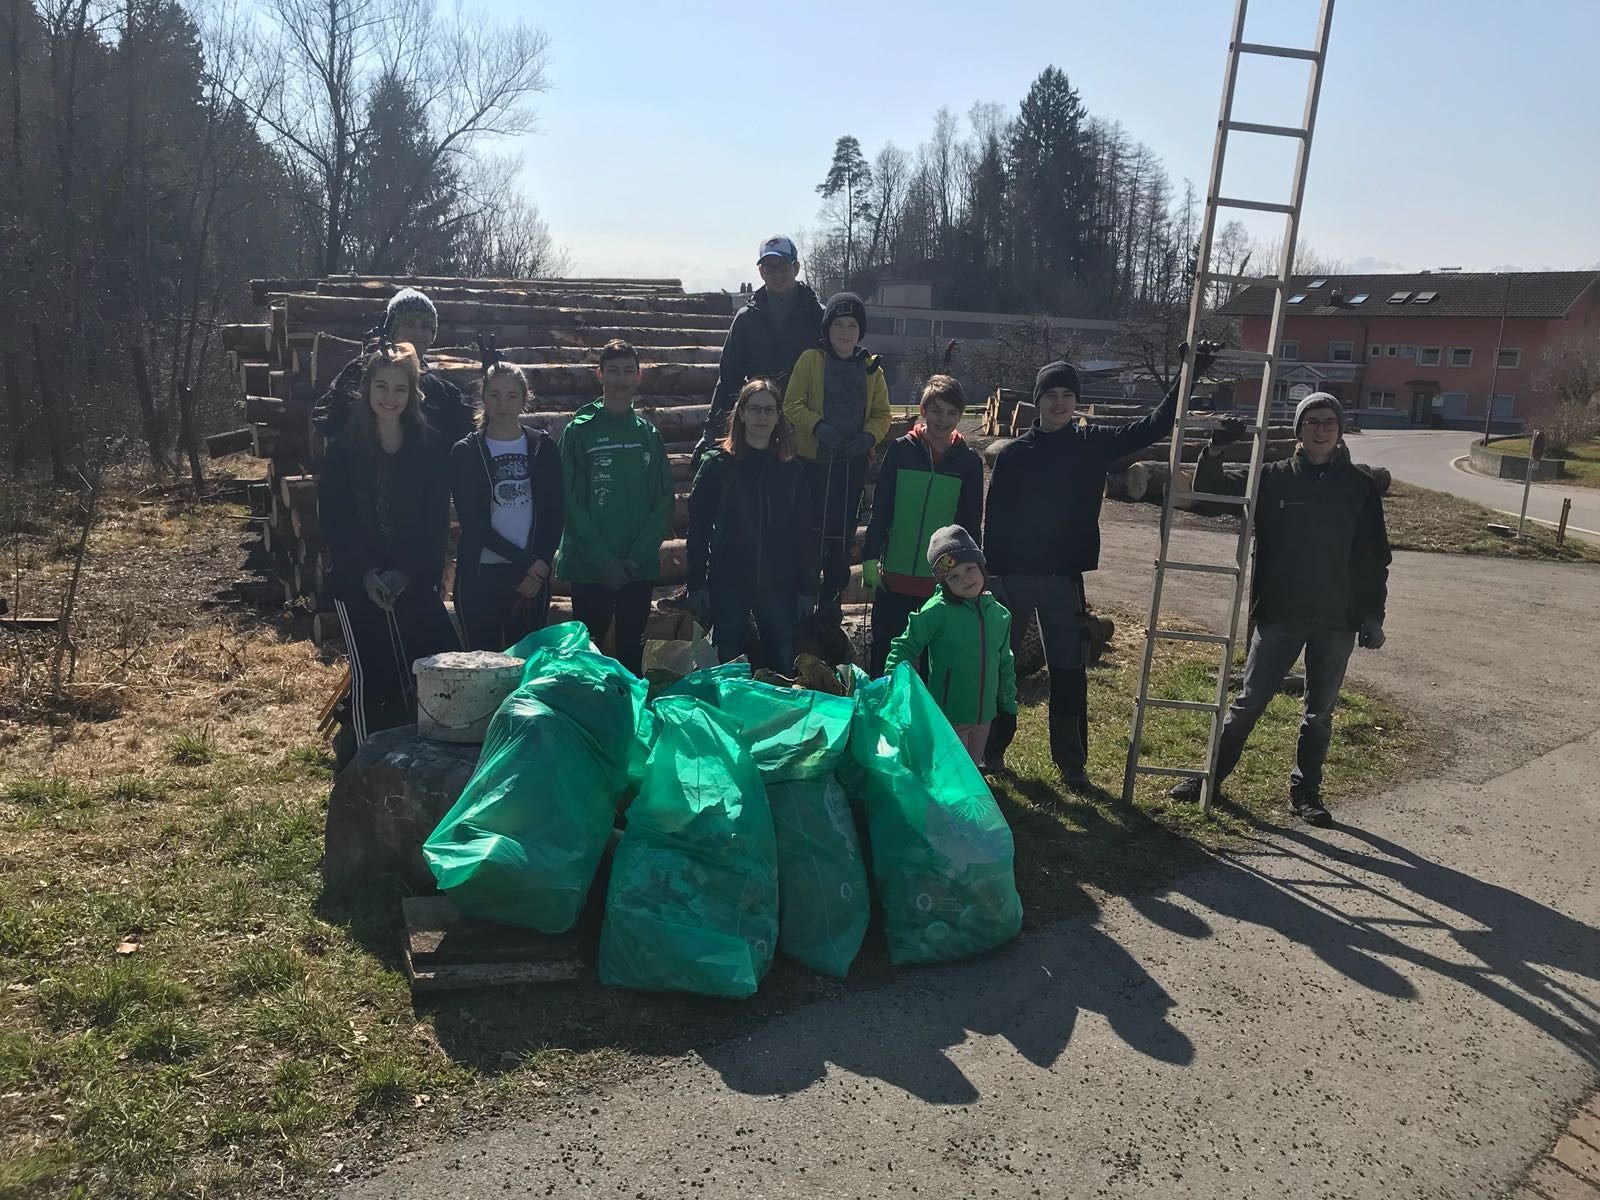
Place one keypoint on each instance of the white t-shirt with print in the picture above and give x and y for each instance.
(511, 494)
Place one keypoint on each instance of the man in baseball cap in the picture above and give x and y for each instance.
(776, 326)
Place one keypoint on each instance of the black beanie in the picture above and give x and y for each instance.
(845, 304)
(951, 546)
(1061, 374)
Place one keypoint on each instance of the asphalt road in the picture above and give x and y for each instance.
(1437, 460)
(1407, 1005)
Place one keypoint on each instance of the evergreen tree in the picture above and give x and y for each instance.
(849, 185)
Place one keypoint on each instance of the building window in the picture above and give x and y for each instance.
(1454, 404)
(1408, 351)
(1341, 351)
(1509, 360)
(1316, 283)
(880, 324)
(1501, 406)
(1375, 350)
(1280, 393)
(1428, 356)
(1380, 399)
(1391, 351)
(919, 327)
(968, 329)
(1425, 297)
(1460, 356)
(1298, 298)
(1399, 297)
(1359, 298)
(1290, 351)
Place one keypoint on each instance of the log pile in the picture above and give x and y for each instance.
(552, 328)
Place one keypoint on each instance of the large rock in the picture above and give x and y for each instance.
(384, 805)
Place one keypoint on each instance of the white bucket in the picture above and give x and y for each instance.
(459, 690)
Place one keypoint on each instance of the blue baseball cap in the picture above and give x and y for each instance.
(777, 246)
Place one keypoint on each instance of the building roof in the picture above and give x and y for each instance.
(1532, 295)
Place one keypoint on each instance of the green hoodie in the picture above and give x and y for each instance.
(971, 672)
(619, 494)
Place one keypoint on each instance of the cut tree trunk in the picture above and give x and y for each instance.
(327, 312)
(220, 445)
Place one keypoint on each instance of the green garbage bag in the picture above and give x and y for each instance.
(941, 849)
(524, 839)
(792, 733)
(823, 901)
(706, 685)
(693, 902)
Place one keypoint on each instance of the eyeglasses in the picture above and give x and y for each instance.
(1330, 423)
(760, 410)
(772, 263)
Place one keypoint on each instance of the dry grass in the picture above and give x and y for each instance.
(1422, 519)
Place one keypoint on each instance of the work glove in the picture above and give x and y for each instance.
(859, 444)
(804, 606)
(698, 602)
(1228, 431)
(1205, 354)
(828, 437)
(1371, 635)
(1002, 731)
(395, 582)
(871, 575)
(378, 591)
(614, 575)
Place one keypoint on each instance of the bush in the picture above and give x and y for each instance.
(1571, 424)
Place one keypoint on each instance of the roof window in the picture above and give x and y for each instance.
(1316, 283)
(1297, 298)
(1399, 297)
(1425, 297)
(1359, 297)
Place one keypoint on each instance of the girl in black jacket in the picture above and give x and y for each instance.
(384, 503)
(506, 481)
(752, 542)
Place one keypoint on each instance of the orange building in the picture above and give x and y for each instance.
(1419, 350)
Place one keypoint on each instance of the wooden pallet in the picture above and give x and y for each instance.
(446, 951)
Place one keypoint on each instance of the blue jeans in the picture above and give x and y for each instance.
(1273, 650)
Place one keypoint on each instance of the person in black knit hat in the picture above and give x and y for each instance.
(1041, 533)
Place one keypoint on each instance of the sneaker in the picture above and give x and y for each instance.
(1310, 810)
(1188, 791)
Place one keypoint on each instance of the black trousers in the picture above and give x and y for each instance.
(1060, 604)
(891, 612)
(836, 486)
(382, 646)
(486, 606)
(627, 609)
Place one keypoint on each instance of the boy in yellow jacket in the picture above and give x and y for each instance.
(838, 403)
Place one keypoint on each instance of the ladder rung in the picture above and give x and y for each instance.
(1271, 281)
(1173, 564)
(1278, 51)
(1186, 705)
(1180, 635)
(1293, 131)
(1172, 772)
(1271, 206)
(1211, 498)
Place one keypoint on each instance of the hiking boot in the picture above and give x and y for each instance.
(1076, 779)
(1310, 810)
(1188, 791)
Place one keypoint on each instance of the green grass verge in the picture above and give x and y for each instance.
(183, 1014)
(1422, 519)
(1582, 462)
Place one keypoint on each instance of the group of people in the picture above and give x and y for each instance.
(800, 407)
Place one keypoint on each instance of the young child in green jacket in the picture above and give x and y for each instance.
(618, 486)
(966, 634)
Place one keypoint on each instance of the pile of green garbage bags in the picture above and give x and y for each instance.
(744, 807)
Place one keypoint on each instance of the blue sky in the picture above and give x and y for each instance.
(1452, 132)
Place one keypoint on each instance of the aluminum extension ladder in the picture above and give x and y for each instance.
(1237, 570)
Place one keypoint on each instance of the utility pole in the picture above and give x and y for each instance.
(1494, 380)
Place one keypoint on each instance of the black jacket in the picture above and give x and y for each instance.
(758, 347)
(347, 495)
(1322, 552)
(1043, 511)
(472, 486)
(751, 523)
(447, 411)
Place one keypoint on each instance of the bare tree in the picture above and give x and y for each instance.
(1570, 372)
(503, 236)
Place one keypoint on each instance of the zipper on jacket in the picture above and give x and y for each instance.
(927, 498)
(945, 703)
(983, 655)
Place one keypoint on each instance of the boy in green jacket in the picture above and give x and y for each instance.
(618, 509)
(966, 634)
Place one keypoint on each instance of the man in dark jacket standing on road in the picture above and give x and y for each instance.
(776, 327)
(1320, 583)
(1041, 533)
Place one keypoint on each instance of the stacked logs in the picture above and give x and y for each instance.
(553, 329)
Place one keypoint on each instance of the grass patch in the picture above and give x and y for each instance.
(1422, 519)
(191, 749)
(100, 996)
(1582, 467)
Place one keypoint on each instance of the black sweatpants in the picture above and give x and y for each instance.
(1060, 602)
(486, 606)
(628, 608)
(382, 646)
(836, 486)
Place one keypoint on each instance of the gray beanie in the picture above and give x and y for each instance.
(408, 304)
(1318, 400)
(951, 546)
